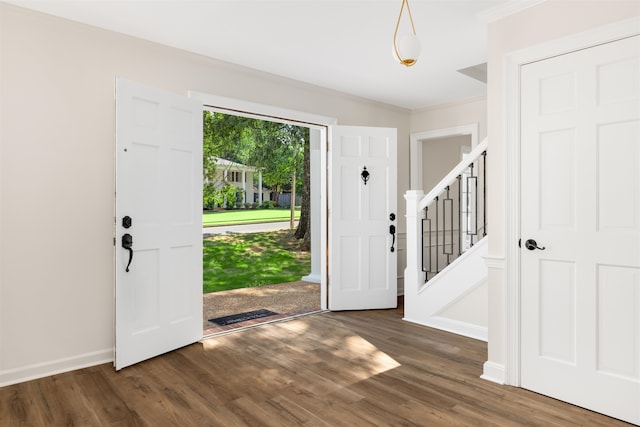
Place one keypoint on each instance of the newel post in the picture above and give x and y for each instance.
(413, 271)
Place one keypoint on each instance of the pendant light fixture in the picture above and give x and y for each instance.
(406, 48)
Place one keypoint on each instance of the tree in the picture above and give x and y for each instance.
(304, 225)
(223, 137)
(280, 150)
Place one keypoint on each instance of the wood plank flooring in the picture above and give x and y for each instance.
(332, 369)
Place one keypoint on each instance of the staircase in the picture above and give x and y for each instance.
(445, 284)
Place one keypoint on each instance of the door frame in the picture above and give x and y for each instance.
(418, 139)
(323, 125)
(512, 144)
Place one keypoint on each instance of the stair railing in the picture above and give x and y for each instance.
(450, 218)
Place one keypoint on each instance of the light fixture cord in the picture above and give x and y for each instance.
(410, 17)
(395, 33)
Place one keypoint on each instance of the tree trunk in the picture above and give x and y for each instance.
(293, 202)
(304, 225)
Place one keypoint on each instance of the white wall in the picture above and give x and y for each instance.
(466, 309)
(461, 113)
(57, 173)
(439, 156)
(547, 21)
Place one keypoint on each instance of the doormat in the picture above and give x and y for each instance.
(242, 317)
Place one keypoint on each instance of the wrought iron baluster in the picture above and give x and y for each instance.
(475, 208)
(472, 188)
(447, 201)
(430, 246)
(422, 245)
(428, 221)
(459, 179)
(484, 193)
(437, 236)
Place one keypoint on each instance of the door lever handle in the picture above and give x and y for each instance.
(533, 245)
(392, 231)
(127, 243)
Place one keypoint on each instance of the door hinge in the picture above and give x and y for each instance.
(114, 240)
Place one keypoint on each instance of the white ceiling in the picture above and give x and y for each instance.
(344, 45)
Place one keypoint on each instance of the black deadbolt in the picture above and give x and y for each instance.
(126, 221)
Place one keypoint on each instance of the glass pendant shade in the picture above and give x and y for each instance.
(409, 49)
(406, 47)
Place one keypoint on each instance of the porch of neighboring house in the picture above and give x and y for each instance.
(241, 176)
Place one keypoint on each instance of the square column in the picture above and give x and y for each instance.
(244, 187)
(260, 192)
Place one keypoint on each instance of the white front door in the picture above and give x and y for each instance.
(362, 212)
(580, 169)
(159, 209)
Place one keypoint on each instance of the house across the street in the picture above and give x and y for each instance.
(242, 177)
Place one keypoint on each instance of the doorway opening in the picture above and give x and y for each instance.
(256, 222)
(426, 147)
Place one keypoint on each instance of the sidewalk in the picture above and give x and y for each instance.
(246, 228)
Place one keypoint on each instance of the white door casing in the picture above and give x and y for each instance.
(158, 302)
(580, 184)
(362, 265)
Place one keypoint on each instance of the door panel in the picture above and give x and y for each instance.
(362, 267)
(580, 168)
(158, 185)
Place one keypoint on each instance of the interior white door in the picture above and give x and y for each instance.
(159, 187)
(362, 212)
(580, 169)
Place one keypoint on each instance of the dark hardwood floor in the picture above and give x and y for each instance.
(330, 369)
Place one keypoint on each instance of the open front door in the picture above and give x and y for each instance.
(158, 266)
(362, 218)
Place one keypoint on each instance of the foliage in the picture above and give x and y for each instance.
(232, 196)
(278, 149)
(214, 197)
(220, 134)
(253, 259)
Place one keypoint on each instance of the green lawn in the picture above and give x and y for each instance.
(247, 216)
(232, 261)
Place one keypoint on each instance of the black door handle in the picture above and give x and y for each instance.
(127, 243)
(392, 231)
(533, 245)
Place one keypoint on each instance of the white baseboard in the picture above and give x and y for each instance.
(493, 372)
(40, 370)
(454, 326)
